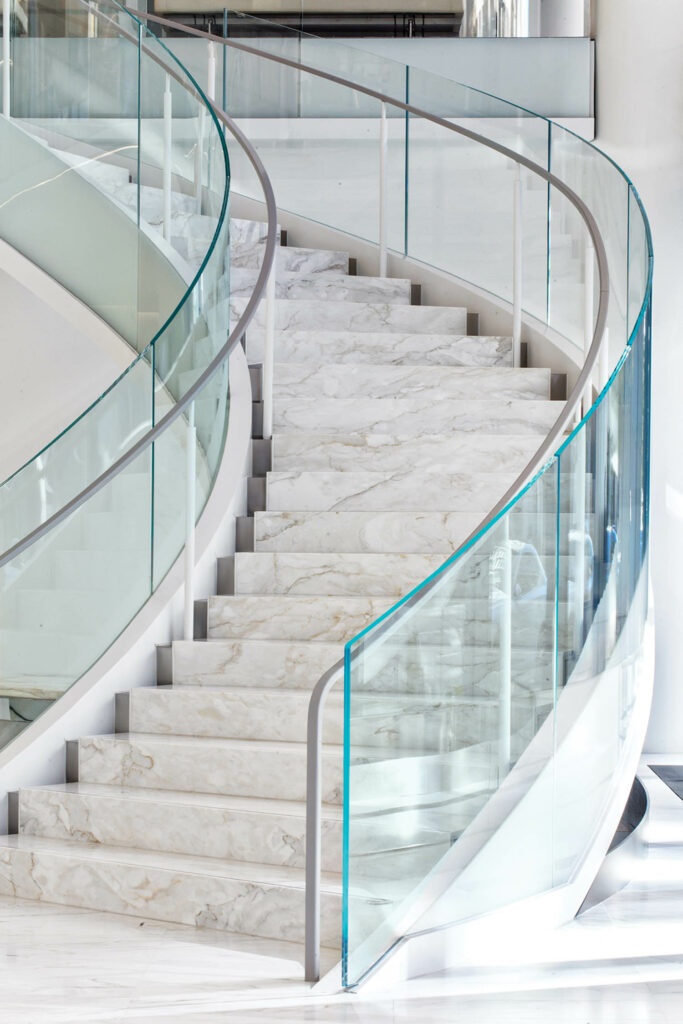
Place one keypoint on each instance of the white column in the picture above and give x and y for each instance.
(268, 357)
(190, 504)
(6, 57)
(505, 657)
(517, 232)
(383, 192)
(168, 148)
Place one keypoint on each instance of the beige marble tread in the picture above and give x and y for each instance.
(264, 874)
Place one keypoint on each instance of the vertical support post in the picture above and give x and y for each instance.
(517, 268)
(268, 356)
(168, 147)
(383, 192)
(6, 57)
(199, 158)
(576, 484)
(588, 316)
(505, 653)
(211, 73)
(190, 504)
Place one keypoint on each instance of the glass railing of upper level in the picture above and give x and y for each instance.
(505, 684)
(114, 179)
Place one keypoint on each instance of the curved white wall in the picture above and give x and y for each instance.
(639, 80)
(57, 357)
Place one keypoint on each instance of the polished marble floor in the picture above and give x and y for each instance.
(619, 963)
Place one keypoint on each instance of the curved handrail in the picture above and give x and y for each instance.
(197, 91)
(234, 338)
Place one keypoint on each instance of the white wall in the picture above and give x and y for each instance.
(639, 79)
(57, 357)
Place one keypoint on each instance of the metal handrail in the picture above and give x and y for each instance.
(542, 454)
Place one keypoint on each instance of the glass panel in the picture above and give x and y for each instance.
(83, 164)
(603, 188)
(638, 260)
(68, 596)
(443, 697)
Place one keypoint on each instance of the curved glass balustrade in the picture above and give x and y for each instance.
(487, 713)
(506, 684)
(114, 179)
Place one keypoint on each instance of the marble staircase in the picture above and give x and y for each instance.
(395, 431)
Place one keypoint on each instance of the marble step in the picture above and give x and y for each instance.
(326, 619)
(406, 490)
(322, 314)
(253, 663)
(203, 825)
(290, 259)
(331, 574)
(465, 670)
(201, 765)
(207, 892)
(321, 286)
(416, 415)
(394, 575)
(453, 453)
(239, 713)
(402, 491)
(442, 621)
(400, 532)
(379, 719)
(317, 348)
(296, 381)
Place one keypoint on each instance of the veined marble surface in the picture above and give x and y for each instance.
(290, 259)
(252, 663)
(266, 617)
(344, 574)
(368, 490)
(319, 285)
(417, 415)
(201, 765)
(255, 900)
(293, 381)
(457, 453)
(196, 824)
(312, 314)
(417, 348)
(437, 532)
(275, 715)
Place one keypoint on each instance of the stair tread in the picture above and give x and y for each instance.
(260, 805)
(264, 874)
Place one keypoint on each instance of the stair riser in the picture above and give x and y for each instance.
(296, 381)
(319, 348)
(279, 775)
(440, 623)
(269, 911)
(242, 714)
(234, 663)
(395, 532)
(368, 491)
(273, 838)
(335, 287)
(380, 453)
(417, 416)
(292, 260)
(296, 314)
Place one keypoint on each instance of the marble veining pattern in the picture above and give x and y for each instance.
(293, 381)
(312, 314)
(372, 489)
(417, 415)
(326, 346)
(320, 285)
(252, 663)
(460, 453)
(290, 259)
(268, 617)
